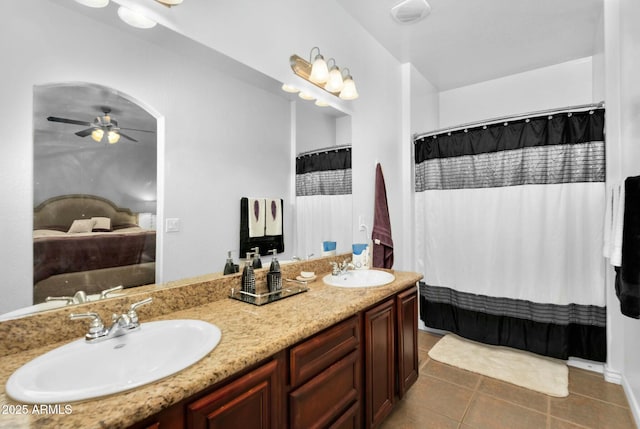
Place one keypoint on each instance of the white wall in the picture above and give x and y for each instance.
(559, 85)
(224, 138)
(622, 53)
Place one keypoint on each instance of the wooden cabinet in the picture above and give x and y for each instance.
(379, 357)
(407, 339)
(350, 373)
(326, 379)
(248, 402)
(390, 354)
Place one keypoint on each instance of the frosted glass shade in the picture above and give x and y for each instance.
(97, 134)
(349, 91)
(319, 70)
(335, 83)
(93, 3)
(113, 137)
(135, 19)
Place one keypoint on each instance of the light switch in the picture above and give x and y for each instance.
(172, 224)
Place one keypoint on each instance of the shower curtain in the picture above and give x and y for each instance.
(323, 201)
(509, 233)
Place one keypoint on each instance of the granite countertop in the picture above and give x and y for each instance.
(250, 334)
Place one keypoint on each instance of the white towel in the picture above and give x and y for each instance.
(256, 215)
(613, 223)
(274, 216)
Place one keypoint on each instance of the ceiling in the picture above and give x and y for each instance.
(463, 42)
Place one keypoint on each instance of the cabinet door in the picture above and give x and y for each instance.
(379, 362)
(407, 313)
(248, 402)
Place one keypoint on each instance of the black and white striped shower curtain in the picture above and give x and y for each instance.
(509, 233)
(323, 201)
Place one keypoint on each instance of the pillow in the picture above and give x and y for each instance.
(102, 224)
(81, 225)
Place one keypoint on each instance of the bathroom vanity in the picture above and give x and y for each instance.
(330, 357)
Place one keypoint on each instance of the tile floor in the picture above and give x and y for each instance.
(445, 397)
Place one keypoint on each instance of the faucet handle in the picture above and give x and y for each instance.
(133, 315)
(96, 328)
(106, 292)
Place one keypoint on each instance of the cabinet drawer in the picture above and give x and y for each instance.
(327, 397)
(314, 355)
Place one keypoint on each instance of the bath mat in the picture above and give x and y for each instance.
(524, 369)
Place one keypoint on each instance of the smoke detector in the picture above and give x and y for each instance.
(410, 11)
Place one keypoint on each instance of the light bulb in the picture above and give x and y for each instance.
(319, 70)
(135, 19)
(335, 83)
(321, 103)
(93, 3)
(306, 96)
(349, 91)
(113, 137)
(97, 134)
(289, 88)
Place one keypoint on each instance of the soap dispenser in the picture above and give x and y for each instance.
(274, 277)
(229, 266)
(257, 262)
(248, 276)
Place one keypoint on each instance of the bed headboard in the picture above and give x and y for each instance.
(64, 209)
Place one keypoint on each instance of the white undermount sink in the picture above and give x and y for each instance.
(359, 278)
(79, 370)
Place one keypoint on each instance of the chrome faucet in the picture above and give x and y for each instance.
(338, 269)
(81, 297)
(122, 324)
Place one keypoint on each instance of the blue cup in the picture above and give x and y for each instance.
(328, 246)
(358, 248)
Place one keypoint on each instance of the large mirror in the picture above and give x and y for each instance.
(224, 132)
(95, 193)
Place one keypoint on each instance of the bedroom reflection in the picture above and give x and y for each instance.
(95, 187)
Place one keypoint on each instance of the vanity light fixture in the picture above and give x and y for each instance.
(93, 3)
(333, 81)
(321, 103)
(135, 19)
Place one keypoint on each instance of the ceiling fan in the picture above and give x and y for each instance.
(102, 127)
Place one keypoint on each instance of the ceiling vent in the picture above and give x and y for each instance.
(410, 11)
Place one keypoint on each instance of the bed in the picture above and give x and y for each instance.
(85, 242)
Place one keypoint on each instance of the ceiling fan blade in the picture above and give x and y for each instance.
(85, 133)
(69, 121)
(136, 129)
(127, 137)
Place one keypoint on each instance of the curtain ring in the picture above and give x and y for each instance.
(466, 131)
(569, 115)
(484, 127)
(527, 120)
(505, 124)
(550, 117)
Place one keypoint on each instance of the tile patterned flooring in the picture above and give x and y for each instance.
(445, 397)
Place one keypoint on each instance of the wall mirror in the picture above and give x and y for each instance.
(95, 193)
(225, 133)
(323, 180)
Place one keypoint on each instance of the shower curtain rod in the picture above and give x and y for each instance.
(417, 136)
(324, 150)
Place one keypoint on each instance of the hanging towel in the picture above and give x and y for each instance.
(273, 216)
(628, 275)
(613, 220)
(381, 232)
(256, 216)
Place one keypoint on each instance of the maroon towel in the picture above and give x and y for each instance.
(381, 233)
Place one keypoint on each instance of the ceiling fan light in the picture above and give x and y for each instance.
(135, 19)
(349, 91)
(335, 83)
(93, 3)
(97, 134)
(113, 137)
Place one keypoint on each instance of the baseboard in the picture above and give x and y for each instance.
(632, 400)
(589, 365)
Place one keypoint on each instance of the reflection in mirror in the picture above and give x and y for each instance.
(95, 187)
(323, 181)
